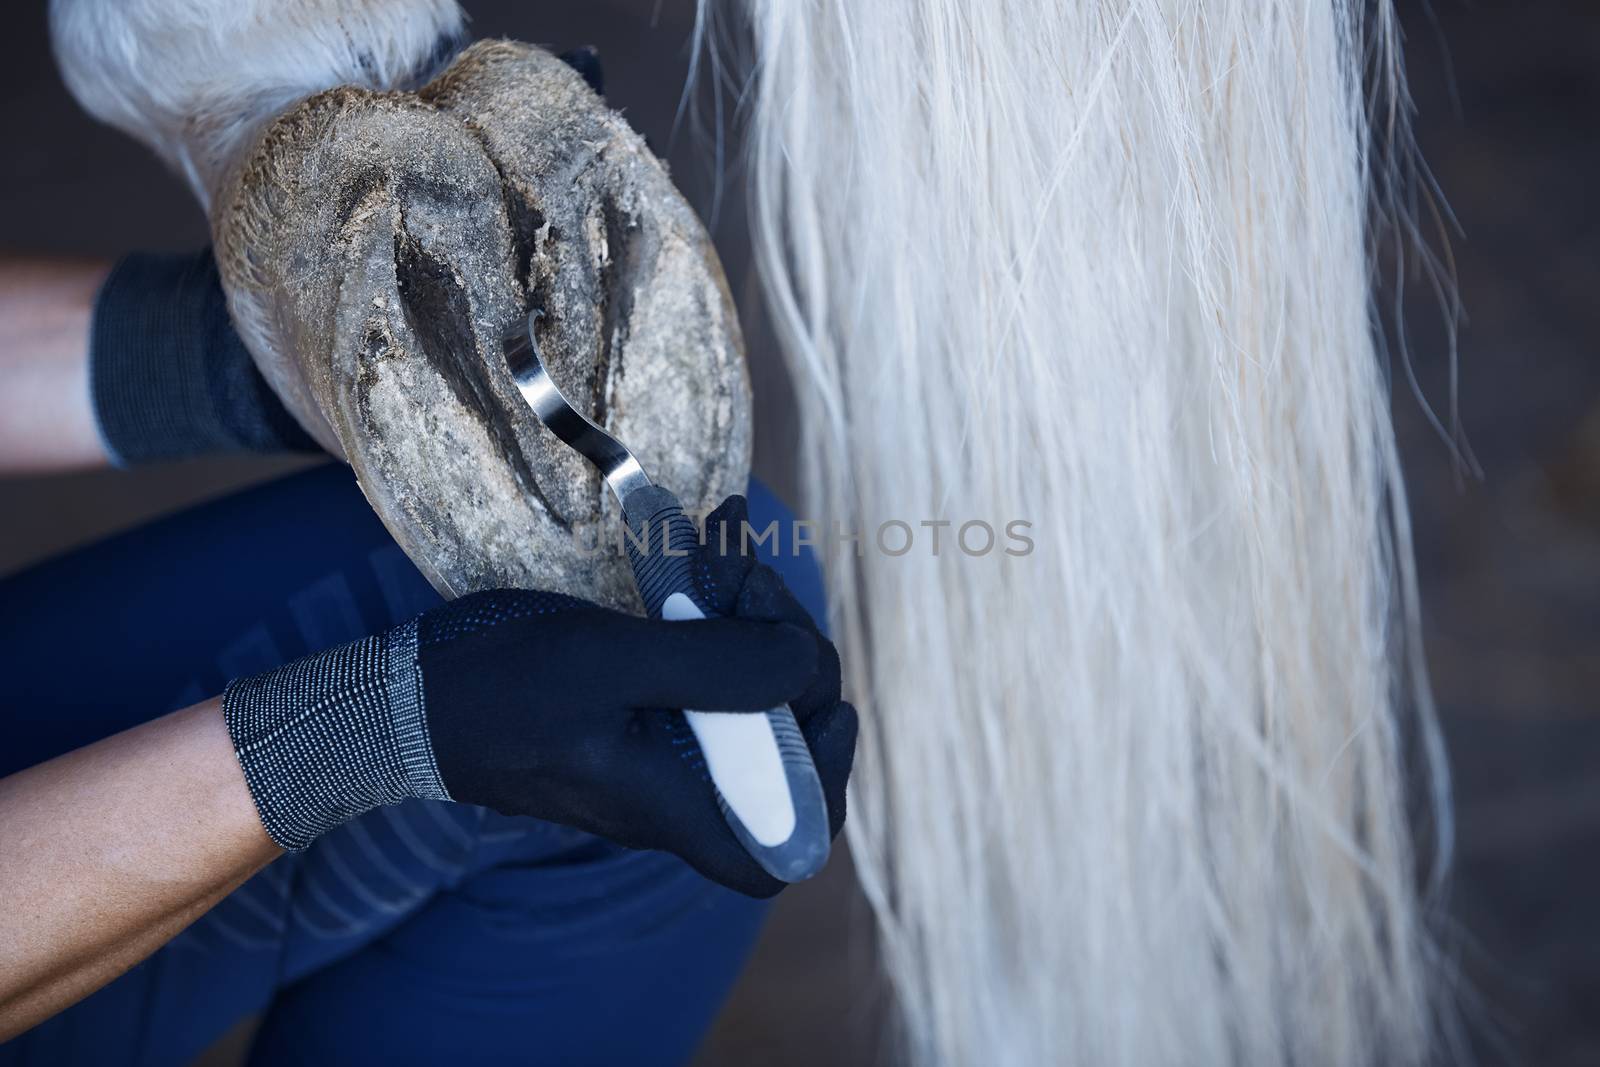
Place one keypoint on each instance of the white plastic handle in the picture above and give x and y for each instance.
(742, 756)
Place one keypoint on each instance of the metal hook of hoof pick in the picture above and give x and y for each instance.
(766, 783)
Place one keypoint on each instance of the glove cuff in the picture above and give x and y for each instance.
(334, 735)
(169, 377)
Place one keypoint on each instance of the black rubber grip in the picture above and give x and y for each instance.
(661, 542)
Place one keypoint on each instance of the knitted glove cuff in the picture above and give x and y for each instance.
(334, 735)
(169, 377)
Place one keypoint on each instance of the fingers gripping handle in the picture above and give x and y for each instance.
(766, 783)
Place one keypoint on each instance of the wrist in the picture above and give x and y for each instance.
(45, 419)
(334, 735)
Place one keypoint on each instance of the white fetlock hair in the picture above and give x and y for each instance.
(195, 79)
(1139, 796)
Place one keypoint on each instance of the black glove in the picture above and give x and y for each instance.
(539, 704)
(169, 377)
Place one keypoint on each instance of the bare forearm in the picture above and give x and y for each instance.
(109, 851)
(46, 420)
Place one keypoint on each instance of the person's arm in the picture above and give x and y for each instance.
(527, 702)
(108, 852)
(46, 420)
(135, 364)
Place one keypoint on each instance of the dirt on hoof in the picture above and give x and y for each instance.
(376, 247)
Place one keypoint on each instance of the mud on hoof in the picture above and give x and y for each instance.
(377, 246)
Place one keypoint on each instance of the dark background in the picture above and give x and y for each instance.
(1507, 94)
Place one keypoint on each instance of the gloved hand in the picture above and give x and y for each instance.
(168, 376)
(540, 704)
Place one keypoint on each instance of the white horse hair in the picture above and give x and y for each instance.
(196, 79)
(1139, 796)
